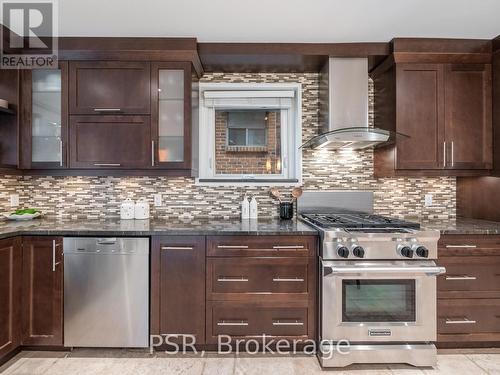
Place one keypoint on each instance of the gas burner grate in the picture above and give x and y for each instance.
(357, 220)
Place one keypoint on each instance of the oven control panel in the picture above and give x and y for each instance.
(416, 245)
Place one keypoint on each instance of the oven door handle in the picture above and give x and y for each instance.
(428, 271)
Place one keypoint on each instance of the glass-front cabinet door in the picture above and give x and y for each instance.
(44, 120)
(171, 115)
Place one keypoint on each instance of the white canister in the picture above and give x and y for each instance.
(127, 209)
(254, 211)
(142, 209)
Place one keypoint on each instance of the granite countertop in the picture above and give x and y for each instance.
(116, 227)
(463, 226)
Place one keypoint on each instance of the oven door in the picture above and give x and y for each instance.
(379, 301)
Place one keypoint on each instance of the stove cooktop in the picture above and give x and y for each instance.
(357, 221)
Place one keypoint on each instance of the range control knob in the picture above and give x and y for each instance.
(422, 251)
(343, 251)
(406, 251)
(358, 251)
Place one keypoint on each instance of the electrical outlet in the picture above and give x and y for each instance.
(428, 200)
(157, 200)
(14, 200)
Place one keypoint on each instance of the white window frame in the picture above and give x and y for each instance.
(287, 97)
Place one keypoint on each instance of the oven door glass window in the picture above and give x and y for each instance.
(378, 301)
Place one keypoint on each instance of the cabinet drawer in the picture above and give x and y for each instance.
(470, 273)
(468, 245)
(110, 142)
(109, 87)
(468, 316)
(243, 320)
(257, 275)
(261, 246)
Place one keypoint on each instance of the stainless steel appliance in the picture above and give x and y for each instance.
(378, 285)
(106, 292)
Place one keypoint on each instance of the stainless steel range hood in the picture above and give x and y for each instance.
(343, 116)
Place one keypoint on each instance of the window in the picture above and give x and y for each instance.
(246, 128)
(251, 133)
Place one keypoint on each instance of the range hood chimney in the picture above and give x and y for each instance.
(344, 107)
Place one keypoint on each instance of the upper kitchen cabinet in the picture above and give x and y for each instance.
(171, 115)
(109, 87)
(443, 106)
(44, 118)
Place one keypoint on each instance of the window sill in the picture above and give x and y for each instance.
(257, 149)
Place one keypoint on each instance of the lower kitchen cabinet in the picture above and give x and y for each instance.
(178, 286)
(468, 305)
(42, 291)
(261, 285)
(10, 295)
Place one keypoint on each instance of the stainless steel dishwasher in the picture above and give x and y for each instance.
(106, 292)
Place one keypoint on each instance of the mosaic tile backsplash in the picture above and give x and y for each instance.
(100, 197)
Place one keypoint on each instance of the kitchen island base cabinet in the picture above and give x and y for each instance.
(10, 296)
(42, 291)
(178, 287)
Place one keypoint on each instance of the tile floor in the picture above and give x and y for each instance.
(126, 362)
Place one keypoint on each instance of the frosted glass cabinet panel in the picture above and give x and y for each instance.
(46, 118)
(171, 115)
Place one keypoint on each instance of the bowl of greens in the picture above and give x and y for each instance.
(24, 214)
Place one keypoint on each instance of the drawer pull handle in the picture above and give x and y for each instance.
(177, 248)
(232, 246)
(283, 280)
(107, 164)
(237, 324)
(293, 247)
(461, 278)
(296, 323)
(231, 279)
(461, 246)
(107, 109)
(463, 321)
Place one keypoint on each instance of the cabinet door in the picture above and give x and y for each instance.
(468, 119)
(44, 118)
(178, 286)
(420, 106)
(110, 142)
(42, 291)
(109, 87)
(171, 114)
(10, 295)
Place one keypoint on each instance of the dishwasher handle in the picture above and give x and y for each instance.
(106, 241)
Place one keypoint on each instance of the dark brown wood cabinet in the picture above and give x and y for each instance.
(261, 285)
(446, 111)
(44, 118)
(10, 295)
(42, 291)
(104, 87)
(178, 286)
(115, 141)
(469, 293)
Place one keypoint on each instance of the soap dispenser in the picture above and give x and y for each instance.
(253, 208)
(245, 208)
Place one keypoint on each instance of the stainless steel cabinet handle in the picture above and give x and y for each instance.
(61, 151)
(296, 323)
(283, 280)
(463, 321)
(461, 278)
(152, 153)
(232, 246)
(223, 323)
(53, 255)
(461, 246)
(177, 248)
(107, 164)
(444, 154)
(234, 279)
(288, 247)
(107, 109)
(452, 153)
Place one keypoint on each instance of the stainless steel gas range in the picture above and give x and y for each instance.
(377, 284)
